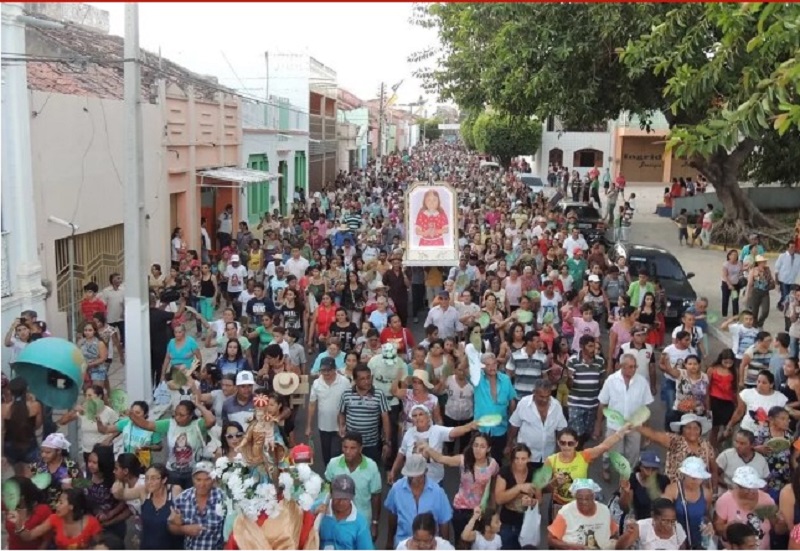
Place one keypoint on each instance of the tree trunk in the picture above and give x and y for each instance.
(722, 170)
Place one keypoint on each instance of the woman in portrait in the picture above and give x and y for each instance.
(431, 224)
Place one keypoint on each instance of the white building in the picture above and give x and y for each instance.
(275, 140)
(579, 151)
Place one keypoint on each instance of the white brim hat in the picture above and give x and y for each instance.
(695, 468)
(704, 422)
(747, 477)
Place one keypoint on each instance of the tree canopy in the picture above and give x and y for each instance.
(429, 128)
(725, 76)
(505, 136)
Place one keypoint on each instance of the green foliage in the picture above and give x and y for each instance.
(505, 136)
(467, 129)
(429, 128)
(775, 161)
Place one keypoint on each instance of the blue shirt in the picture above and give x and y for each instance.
(338, 359)
(183, 356)
(350, 533)
(211, 521)
(485, 405)
(401, 503)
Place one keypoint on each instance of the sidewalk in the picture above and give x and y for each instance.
(650, 229)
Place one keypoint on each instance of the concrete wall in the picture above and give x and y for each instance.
(765, 198)
(77, 146)
(287, 77)
(569, 143)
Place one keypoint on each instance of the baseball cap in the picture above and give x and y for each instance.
(235, 258)
(650, 460)
(444, 294)
(594, 278)
(301, 453)
(343, 487)
(203, 467)
(415, 466)
(327, 363)
(245, 378)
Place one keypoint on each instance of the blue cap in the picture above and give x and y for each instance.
(650, 459)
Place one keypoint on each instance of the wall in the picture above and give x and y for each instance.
(780, 199)
(288, 76)
(569, 143)
(77, 146)
(641, 158)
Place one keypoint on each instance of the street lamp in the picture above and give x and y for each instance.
(71, 260)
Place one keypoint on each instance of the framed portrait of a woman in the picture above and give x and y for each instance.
(431, 225)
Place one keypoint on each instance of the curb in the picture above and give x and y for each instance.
(722, 336)
(712, 247)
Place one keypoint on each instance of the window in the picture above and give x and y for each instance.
(587, 158)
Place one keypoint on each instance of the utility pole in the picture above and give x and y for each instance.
(380, 128)
(137, 304)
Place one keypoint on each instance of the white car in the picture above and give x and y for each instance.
(536, 184)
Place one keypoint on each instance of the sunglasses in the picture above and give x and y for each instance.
(567, 443)
(231, 435)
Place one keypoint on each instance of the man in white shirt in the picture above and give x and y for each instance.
(323, 399)
(370, 252)
(297, 265)
(644, 353)
(114, 297)
(673, 355)
(535, 422)
(741, 454)
(444, 317)
(575, 241)
(237, 276)
(225, 227)
(624, 391)
(787, 271)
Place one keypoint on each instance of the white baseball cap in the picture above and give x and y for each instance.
(235, 258)
(245, 378)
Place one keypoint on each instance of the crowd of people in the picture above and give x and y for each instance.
(514, 370)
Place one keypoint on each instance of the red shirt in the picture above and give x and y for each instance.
(40, 514)
(399, 338)
(91, 528)
(90, 307)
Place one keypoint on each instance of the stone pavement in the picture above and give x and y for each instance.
(650, 229)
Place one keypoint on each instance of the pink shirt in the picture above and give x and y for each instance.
(582, 328)
(729, 511)
(471, 488)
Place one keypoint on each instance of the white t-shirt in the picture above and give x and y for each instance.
(677, 357)
(441, 545)
(484, 544)
(648, 539)
(436, 436)
(327, 398)
(236, 278)
(758, 406)
(593, 532)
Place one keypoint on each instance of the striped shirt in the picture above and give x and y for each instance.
(363, 414)
(527, 369)
(353, 222)
(587, 380)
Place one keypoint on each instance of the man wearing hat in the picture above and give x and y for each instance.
(239, 407)
(413, 494)
(197, 512)
(323, 405)
(443, 316)
(635, 491)
(343, 526)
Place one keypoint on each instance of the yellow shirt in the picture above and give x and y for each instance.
(434, 277)
(577, 468)
(254, 261)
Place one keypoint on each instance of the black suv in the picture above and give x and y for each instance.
(590, 223)
(662, 265)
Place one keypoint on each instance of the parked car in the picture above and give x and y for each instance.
(536, 184)
(662, 265)
(590, 222)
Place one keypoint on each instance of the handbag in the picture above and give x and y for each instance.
(530, 532)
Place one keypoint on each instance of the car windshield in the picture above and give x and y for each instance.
(532, 181)
(659, 266)
(584, 212)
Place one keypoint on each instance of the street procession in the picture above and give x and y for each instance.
(441, 340)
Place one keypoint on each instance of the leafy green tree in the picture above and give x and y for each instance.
(467, 129)
(505, 136)
(429, 128)
(723, 75)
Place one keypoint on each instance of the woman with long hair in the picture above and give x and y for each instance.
(111, 514)
(477, 470)
(21, 419)
(515, 341)
(354, 296)
(72, 526)
(232, 434)
(136, 441)
(233, 361)
(722, 388)
(514, 493)
(779, 462)
(31, 512)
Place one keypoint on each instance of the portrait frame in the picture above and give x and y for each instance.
(420, 251)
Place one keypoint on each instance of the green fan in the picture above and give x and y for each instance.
(81, 483)
(652, 487)
(548, 318)
(42, 480)
(179, 376)
(614, 416)
(533, 295)
(486, 494)
(92, 407)
(620, 464)
(766, 512)
(778, 445)
(640, 416)
(11, 495)
(476, 341)
(712, 318)
(484, 320)
(524, 316)
(542, 477)
(490, 420)
(119, 400)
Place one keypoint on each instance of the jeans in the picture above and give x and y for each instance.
(509, 535)
(331, 444)
(785, 289)
(758, 303)
(726, 296)
(417, 298)
(794, 349)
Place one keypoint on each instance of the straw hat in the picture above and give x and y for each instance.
(422, 375)
(286, 383)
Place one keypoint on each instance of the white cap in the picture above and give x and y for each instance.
(594, 278)
(235, 258)
(245, 378)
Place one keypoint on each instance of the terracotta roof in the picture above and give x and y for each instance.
(101, 73)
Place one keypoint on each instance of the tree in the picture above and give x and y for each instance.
(467, 129)
(429, 128)
(505, 136)
(707, 67)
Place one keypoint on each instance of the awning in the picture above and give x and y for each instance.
(235, 177)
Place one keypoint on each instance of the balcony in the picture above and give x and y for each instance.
(6, 290)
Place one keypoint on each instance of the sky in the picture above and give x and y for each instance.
(364, 43)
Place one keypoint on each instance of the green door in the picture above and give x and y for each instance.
(283, 186)
(257, 194)
(300, 172)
